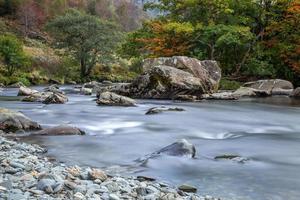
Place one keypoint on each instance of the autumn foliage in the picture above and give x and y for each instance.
(283, 36)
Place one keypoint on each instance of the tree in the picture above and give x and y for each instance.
(30, 15)
(88, 38)
(8, 7)
(12, 54)
(282, 38)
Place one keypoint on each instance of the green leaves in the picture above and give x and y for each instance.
(12, 54)
(87, 37)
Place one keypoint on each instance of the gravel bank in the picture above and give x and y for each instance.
(26, 173)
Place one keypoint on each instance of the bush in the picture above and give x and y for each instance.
(12, 54)
(229, 85)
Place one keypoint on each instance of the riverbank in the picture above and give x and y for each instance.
(26, 173)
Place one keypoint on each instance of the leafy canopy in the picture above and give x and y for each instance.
(12, 54)
(89, 39)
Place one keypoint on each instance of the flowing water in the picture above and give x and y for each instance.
(267, 131)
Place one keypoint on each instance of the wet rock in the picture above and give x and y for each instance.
(60, 130)
(157, 110)
(272, 86)
(232, 157)
(187, 188)
(37, 97)
(113, 197)
(250, 92)
(54, 89)
(86, 91)
(25, 91)
(112, 99)
(56, 98)
(296, 93)
(97, 174)
(179, 148)
(12, 121)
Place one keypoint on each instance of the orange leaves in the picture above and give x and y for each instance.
(283, 36)
(165, 41)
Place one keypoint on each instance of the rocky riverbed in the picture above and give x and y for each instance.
(26, 173)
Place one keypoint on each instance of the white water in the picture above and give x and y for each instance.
(265, 130)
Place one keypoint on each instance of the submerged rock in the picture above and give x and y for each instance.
(25, 91)
(60, 130)
(272, 86)
(112, 99)
(12, 121)
(157, 110)
(232, 157)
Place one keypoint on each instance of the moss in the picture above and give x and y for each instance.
(226, 84)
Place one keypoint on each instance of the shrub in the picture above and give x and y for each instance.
(229, 85)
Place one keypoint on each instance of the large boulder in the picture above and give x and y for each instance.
(60, 130)
(12, 121)
(296, 93)
(166, 78)
(25, 91)
(273, 86)
(56, 98)
(112, 99)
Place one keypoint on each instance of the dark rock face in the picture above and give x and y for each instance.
(11, 121)
(166, 78)
(157, 110)
(296, 93)
(60, 130)
(272, 86)
(112, 99)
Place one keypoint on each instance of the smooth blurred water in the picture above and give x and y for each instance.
(265, 130)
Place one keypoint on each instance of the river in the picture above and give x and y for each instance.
(267, 131)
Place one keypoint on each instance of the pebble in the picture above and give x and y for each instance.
(26, 174)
